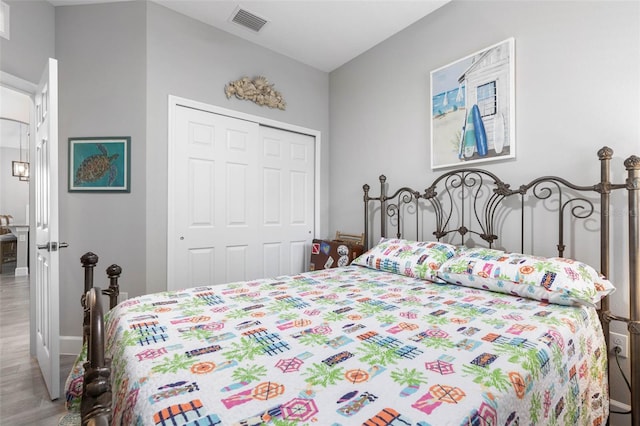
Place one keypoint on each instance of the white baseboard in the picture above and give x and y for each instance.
(23, 271)
(70, 345)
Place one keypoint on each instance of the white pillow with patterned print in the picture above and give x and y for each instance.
(419, 259)
(555, 280)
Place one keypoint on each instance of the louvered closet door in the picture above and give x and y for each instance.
(243, 200)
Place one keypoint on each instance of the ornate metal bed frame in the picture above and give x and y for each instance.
(95, 407)
(464, 203)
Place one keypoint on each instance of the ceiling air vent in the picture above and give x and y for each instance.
(247, 19)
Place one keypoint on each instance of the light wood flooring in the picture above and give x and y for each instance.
(23, 396)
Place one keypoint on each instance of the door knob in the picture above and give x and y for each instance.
(51, 246)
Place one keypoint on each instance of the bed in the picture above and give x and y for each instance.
(416, 331)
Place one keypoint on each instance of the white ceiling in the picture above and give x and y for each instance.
(324, 34)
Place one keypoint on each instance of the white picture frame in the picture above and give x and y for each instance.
(472, 108)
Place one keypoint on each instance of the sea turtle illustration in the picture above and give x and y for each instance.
(96, 166)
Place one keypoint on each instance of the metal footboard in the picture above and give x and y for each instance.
(95, 407)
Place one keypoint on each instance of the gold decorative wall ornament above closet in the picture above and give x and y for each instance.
(257, 90)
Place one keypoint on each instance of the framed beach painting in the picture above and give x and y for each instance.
(100, 164)
(472, 108)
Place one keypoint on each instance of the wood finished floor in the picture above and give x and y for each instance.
(23, 395)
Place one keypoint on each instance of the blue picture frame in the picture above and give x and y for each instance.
(100, 164)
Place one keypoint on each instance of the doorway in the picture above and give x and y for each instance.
(14, 193)
(42, 101)
(15, 116)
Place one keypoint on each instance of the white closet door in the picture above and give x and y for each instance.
(288, 195)
(242, 200)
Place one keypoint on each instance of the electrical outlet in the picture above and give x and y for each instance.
(123, 296)
(621, 341)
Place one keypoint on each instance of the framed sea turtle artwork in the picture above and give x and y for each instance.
(100, 164)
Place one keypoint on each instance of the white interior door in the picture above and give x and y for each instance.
(287, 191)
(242, 200)
(45, 282)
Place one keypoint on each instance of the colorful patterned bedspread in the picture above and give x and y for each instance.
(354, 346)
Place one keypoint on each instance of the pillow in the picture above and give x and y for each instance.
(419, 259)
(554, 280)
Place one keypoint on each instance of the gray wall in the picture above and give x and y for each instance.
(102, 92)
(32, 39)
(577, 85)
(24, 55)
(192, 60)
(118, 62)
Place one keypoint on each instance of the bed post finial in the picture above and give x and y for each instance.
(89, 258)
(113, 272)
(89, 261)
(383, 207)
(632, 163)
(366, 188)
(605, 153)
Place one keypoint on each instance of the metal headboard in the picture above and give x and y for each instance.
(469, 202)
